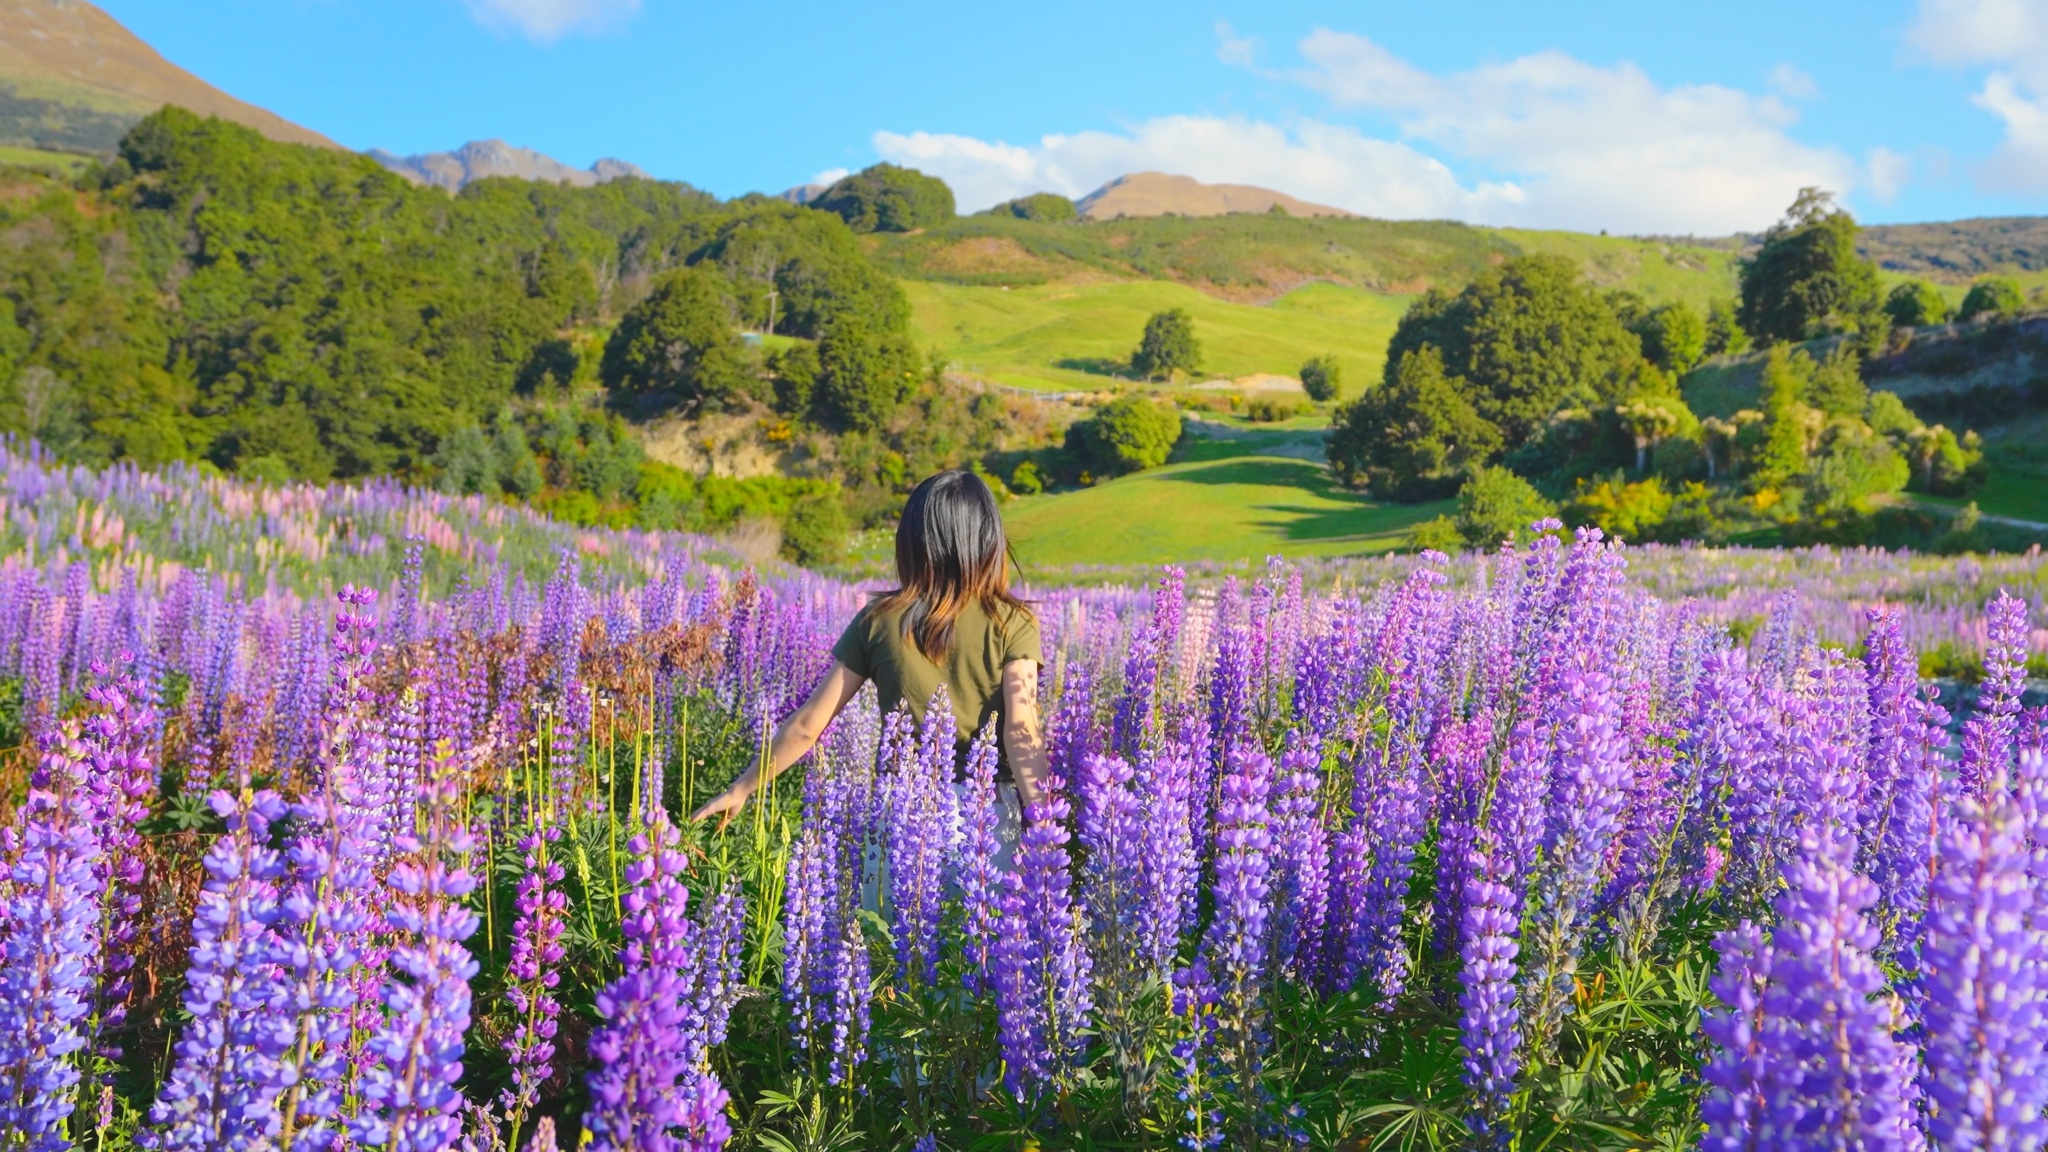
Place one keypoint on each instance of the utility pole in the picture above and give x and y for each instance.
(772, 294)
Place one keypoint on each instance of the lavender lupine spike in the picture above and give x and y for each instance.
(922, 827)
(1982, 986)
(410, 1103)
(717, 979)
(980, 863)
(648, 1093)
(1740, 1073)
(323, 919)
(1460, 758)
(1585, 799)
(223, 1091)
(1232, 691)
(1392, 826)
(1489, 1017)
(1301, 888)
(533, 971)
(50, 956)
(1167, 866)
(1235, 952)
(1109, 828)
(1989, 736)
(1041, 963)
(1841, 1078)
(120, 777)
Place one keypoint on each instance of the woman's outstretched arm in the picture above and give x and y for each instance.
(1023, 735)
(794, 738)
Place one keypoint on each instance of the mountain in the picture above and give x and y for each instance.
(1161, 194)
(480, 159)
(72, 79)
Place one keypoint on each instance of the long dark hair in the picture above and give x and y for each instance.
(950, 551)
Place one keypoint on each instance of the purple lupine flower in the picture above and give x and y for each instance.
(410, 1103)
(1490, 1020)
(922, 824)
(119, 777)
(1739, 1073)
(50, 958)
(1839, 1078)
(980, 863)
(1392, 825)
(1041, 965)
(319, 932)
(1586, 794)
(1109, 824)
(721, 936)
(1232, 693)
(1982, 986)
(1460, 758)
(1763, 801)
(405, 615)
(826, 973)
(533, 970)
(1989, 736)
(1151, 651)
(1301, 880)
(223, 1091)
(1071, 731)
(1168, 869)
(1235, 950)
(649, 1092)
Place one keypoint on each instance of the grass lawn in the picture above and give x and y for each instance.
(1222, 500)
(69, 163)
(1059, 337)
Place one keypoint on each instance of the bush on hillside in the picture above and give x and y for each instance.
(1496, 505)
(1414, 437)
(1674, 337)
(680, 341)
(888, 198)
(1993, 298)
(1916, 304)
(815, 529)
(864, 374)
(1168, 345)
(1042, 207)
(1274, 409)
(1321, 378)
(1806, 279)
(1128, 434)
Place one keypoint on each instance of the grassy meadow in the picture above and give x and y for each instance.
(1242, 498)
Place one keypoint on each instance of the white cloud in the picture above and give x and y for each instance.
(1889, 172)
(548, 20)
(1232, 48)
(1319, 162)
(1793, 82)
(2012, 37)
(1592, 147)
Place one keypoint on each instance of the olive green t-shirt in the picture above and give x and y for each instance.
(875, 646)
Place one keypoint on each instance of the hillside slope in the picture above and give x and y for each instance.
(1163, 194)
(73, 79)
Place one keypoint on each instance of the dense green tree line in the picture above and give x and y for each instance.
(1529, 391)
(275, 309)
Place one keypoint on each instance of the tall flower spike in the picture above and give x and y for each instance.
(1738, 1075)
(1989, 737)
(223, 1091)
(1041, 964)
(1167, 866)
(120, 777)
(534, 971)
(51, 952)
(1489, 1017)
(410, 1103)
(980, 863)
(1301, 886)
(324, 917)
(1983, 985)
(1234, 952)
(922, 825)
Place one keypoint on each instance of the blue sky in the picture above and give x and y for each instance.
(1632, 117)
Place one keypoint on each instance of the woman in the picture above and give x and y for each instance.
(950, 621)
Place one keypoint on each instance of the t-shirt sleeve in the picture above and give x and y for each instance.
(852, 649)
(1021, 640)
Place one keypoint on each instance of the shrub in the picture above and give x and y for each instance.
(1273, 409)
(886, 198)
(1128, 434)
(1320, 378)
(680, 340)
(1631, 511)
(1495, 505)
(1916, 304)
(1042, 207)
(1437, 534)
(1025, 481)
(814, 532)
(1169, 344)
(1413, 437)
(1993, 298)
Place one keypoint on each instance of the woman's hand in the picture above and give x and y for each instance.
(726, 804)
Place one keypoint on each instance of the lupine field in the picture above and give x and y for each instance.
(357, 818)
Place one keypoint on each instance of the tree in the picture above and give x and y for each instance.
(1320, 378)
(886, 198)
(815, 529)
(1791, 427)
(1630, 511)
(1915, 304)
(1806, 279)
(1128, 434)
(1043, 207)
(864, 374)
(1674, 337)
(1524, 339)
(1725, 336)
(1169, 343)
(1413, 437)
(1649, 421)
(680, 340)
(1496, 505)
(1992, 298)
(1835, 385)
